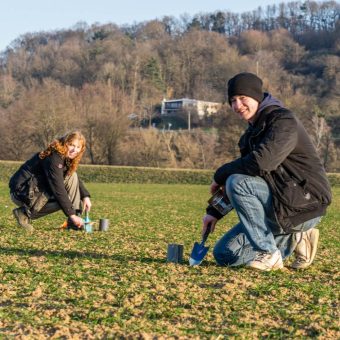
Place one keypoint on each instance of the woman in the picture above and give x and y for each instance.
(48, 182)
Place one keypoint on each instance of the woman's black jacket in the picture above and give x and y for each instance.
(278, 149)
(48, 175)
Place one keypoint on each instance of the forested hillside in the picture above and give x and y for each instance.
(95, 77)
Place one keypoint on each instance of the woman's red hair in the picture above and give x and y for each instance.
(60, 146)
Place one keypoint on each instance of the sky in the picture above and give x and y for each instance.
(18, 17)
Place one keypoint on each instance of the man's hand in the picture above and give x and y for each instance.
(214, 187)
(87, 203)
(206, 220)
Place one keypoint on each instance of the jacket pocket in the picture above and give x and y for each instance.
(296, 196)
(27, 191)
(292, 192)
(290, 198)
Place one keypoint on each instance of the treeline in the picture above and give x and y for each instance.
(95, 77)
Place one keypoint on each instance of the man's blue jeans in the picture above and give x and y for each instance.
(257, 230)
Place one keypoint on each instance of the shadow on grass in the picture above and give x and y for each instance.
(73, 254)
(77, 254)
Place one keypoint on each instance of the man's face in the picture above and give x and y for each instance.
(245, 107)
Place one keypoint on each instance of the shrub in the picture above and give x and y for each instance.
(125, 174)
(129, 174)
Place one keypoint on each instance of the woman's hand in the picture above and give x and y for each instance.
(77, 220)
(87, 204)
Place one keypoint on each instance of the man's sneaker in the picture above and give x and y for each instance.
(266, 261)
(306, 248)
(22, 219)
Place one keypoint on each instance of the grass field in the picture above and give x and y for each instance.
(65, 284)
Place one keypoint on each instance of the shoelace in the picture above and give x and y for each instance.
(260, 256)
(300, 259)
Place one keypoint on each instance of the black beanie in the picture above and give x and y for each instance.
(247, 84)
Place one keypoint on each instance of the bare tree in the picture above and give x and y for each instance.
(105, 111)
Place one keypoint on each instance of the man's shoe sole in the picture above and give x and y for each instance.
(313, 240)
(276, 266)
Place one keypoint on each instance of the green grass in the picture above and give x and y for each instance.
(68, 284)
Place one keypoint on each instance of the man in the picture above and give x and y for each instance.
(278, 187)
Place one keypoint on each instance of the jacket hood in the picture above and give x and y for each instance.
(269, 100)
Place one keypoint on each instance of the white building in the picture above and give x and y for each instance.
(178, 105)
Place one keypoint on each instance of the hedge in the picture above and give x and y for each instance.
(126, 174)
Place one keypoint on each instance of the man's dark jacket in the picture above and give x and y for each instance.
(277, 148)
(48, 175)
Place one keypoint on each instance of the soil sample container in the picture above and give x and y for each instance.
(103, 224)
(175, 253)
(220, 202)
